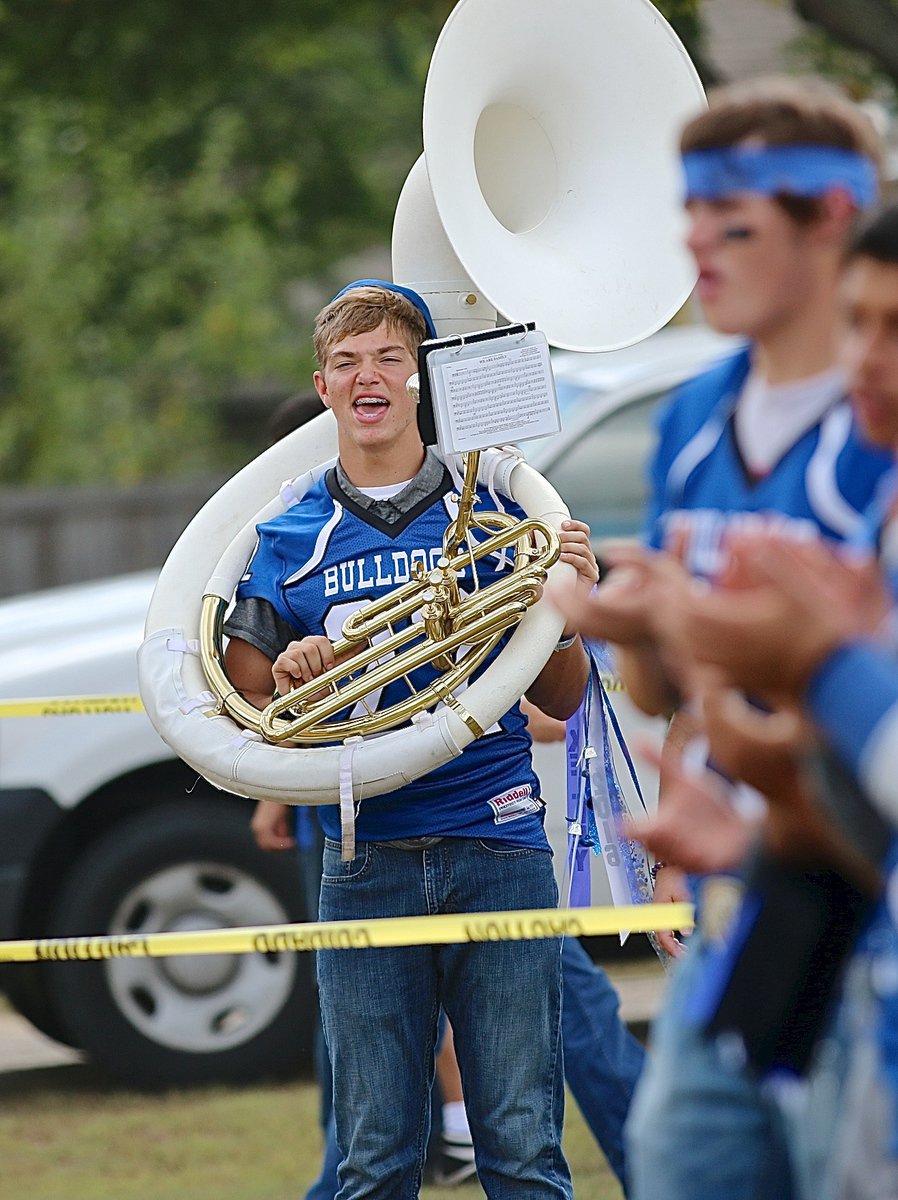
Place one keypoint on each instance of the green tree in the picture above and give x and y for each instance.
(866, 26)
(177, 181)
(686, 18)
(169, 174)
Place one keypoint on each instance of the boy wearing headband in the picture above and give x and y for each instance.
(776, 172)
(467, 837)
(815, 630)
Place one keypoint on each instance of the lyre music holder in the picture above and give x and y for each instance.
(486, 388)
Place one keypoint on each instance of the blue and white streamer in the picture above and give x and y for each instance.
(596, 802)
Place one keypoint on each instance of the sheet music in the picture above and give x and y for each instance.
(487, 393)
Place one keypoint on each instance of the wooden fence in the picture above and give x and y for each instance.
(51, 536)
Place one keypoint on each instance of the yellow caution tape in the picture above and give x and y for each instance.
(66, 706)
(355, 935)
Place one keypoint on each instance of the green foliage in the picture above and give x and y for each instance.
(684, 15)
(815, 52)
(177, 181)
(170, 175)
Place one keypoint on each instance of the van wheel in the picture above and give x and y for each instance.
(181, 1020)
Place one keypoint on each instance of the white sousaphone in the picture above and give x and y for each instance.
(548, 191)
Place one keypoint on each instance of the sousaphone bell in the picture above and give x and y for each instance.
(548, 191)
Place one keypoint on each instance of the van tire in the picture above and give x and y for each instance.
(174, 1022)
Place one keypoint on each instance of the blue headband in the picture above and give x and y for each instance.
(411, 296)
(770, 170)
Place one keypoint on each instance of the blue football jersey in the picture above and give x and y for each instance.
(325, 558)
(701, 489)
(878, 534)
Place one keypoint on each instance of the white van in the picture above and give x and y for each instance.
(102, 830)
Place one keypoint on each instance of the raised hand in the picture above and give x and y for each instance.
(782, 607)
(301, 662)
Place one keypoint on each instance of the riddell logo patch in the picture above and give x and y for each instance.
(516, 802)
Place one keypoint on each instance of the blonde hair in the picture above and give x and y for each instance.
(361, 310)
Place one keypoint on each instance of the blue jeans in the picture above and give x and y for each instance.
(310, 845)
(844, 1135)
(327, 1184)
(503, 1000)
(602, 1063)
(602, 1059)
(701, 1128)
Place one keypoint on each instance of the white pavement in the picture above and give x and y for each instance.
(23, 1048)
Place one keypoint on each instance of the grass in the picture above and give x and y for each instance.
(67, 1134)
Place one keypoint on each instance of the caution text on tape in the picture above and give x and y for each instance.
(357, 935)
(74, 706)
(69, 706)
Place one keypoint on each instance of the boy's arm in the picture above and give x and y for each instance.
(853, 698)
(645, 679)
(559, 687)
(249, 670)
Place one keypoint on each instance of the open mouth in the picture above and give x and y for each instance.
(370, 408)
(708, 282)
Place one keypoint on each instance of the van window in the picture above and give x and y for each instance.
(602, 476)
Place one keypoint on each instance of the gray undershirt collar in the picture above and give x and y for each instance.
(424, 484)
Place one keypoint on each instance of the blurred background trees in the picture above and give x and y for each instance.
(176, 183)
(181, 186)
(857, 36)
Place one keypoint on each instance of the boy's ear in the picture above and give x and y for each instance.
(321, 388)
(838, 212)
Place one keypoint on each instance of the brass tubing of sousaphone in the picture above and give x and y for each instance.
(458, 530)
(307, 727)
(518, 590)
(506, 601)
(368, 621)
